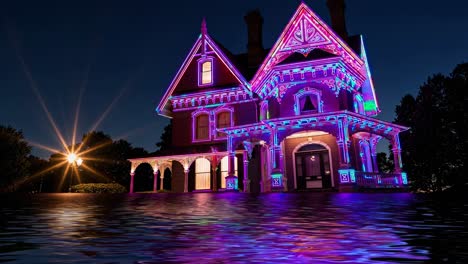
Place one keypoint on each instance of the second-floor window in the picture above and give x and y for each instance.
(203, 127)
(223, 119)
(308, 101)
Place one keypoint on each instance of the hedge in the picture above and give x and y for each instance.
(99, 188)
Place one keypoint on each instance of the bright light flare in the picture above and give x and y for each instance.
(79, 161)
(71, 158)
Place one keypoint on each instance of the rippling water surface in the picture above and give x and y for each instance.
(232, 227)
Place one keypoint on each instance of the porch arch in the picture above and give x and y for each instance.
(202, 168)
(143, 177)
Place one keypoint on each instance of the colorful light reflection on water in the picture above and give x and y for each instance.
(230, 227)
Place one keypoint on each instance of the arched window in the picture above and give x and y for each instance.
(308, 101)
(223, 119)
(205, 71)
(202, 127)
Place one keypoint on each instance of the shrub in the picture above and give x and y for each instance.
(99, 188)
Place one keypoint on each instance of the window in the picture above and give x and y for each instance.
(308, 101)
(203, 126)
(223, 120)
(205, 68)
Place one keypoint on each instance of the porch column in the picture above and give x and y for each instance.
(396, 153)
(346, 172)
(132, 177)
(373, 146)
(155, 180)
(161, 187)
(231, 179)
(277, 161)
(343, 142)
(186, 172)
(245, 156)
(214, 165)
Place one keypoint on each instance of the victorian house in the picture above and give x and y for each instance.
(300, 115)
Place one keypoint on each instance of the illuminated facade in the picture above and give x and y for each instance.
(298, 116)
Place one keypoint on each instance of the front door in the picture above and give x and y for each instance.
(313, 167)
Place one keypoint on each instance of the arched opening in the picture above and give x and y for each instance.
(202, 174)
(143, 181)
(167, 181)
(225, 168)
(312, 163)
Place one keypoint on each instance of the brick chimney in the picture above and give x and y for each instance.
(337, 14)
(254, 21)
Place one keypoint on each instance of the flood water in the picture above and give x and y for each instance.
(232, 228)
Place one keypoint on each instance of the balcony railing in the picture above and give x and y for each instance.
(380, 180)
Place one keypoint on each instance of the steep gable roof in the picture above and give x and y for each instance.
(204, 46)
(304, 33)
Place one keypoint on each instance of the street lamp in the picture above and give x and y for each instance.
(73, 160)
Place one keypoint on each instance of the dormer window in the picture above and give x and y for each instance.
(205, 71)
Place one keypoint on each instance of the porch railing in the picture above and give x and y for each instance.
(380, 180)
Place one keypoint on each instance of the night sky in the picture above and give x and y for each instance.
(125, 54)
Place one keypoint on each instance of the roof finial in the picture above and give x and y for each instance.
(203, 27)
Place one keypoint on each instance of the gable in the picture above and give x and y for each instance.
(221, 76)
(224, 74)
(304, 33)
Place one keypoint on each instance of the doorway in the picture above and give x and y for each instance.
(313, 171)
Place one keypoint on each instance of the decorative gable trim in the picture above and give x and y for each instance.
(209, 98)
(204, 41)
(305, 32)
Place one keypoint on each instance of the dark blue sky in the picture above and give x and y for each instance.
(134, 48)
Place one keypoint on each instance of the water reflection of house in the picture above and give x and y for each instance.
(300, 115)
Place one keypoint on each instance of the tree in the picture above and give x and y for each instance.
(434, 147)
(166, 138)
(14, 164)
(385, 163)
